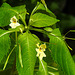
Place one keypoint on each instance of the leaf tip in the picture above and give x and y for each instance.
(58, 20)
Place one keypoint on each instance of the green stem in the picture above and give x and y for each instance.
(7, 33)
(43, 2)
(20, 57)
(16, 37)
(51, 73)
(34, 9)
(68, 46)
(38, 30)
(43, 66)
(8, 57)
(69, 31)
(70, 38)
(43, 31)
(23, 20)
(52, 67)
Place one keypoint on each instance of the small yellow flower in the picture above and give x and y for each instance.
(40, 50)
(14, 22)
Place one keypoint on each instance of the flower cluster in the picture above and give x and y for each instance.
(40, 51)
(14, 22)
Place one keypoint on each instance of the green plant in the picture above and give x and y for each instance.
(20, 41)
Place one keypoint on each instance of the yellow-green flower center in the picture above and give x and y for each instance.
(14, 20)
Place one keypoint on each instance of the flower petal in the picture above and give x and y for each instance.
(42, 55)
(14, 25)
(11, 20)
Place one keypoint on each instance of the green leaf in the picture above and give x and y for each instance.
(27, 44)
(5, 5)
(60, 53)
(48, 59)
(42, 20)
(74, 58)
(12, 56)
(42, 68)
(5, 15)
(21, 10)
(7, 12)
(49, 29)
(4, 44)
(41, 8)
